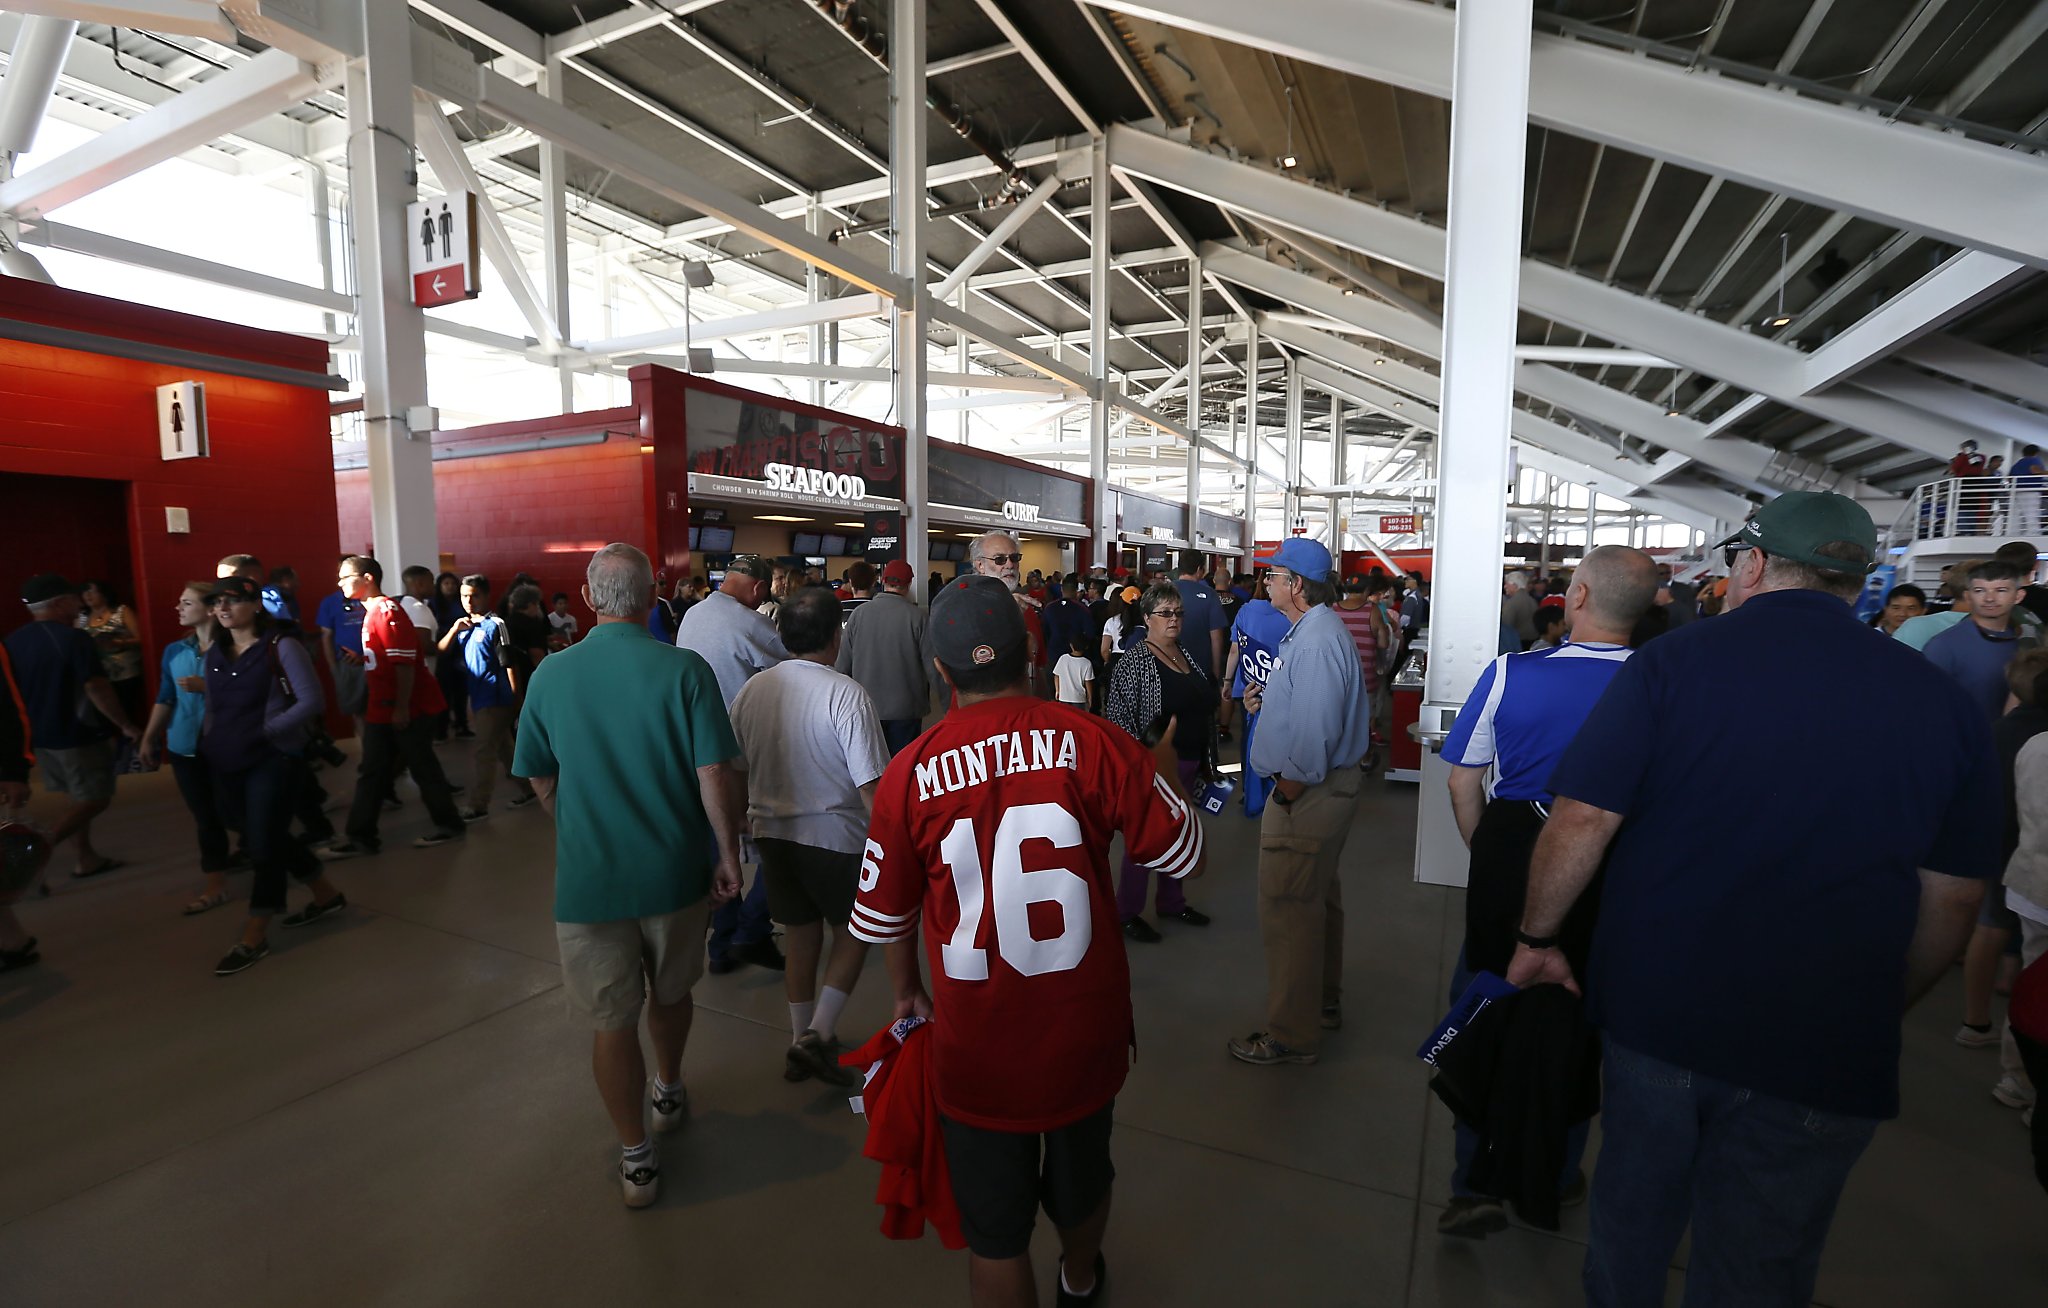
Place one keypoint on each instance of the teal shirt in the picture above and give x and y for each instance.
(622, 721)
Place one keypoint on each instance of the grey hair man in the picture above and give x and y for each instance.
(1316, 725)
(727, 631)
(54, 664)
(997, 554)
(611, 724)
(1518, 607)
(883, 649)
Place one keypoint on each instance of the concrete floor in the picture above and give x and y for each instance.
(395, 1109)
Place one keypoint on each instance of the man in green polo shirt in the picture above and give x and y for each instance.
(627, 743)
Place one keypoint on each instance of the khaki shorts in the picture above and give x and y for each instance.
(607, 967)
(85, 773)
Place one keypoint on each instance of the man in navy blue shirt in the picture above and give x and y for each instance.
(1749, 984)
(1976, 650)
(1522, 713)
(1203, 630)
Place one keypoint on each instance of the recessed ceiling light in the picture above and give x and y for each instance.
(849, 524)
(1288, 161)
(780, 517)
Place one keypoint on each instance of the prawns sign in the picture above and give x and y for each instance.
(789, 450)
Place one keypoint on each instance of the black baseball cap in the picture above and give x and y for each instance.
(976, 621)
(44, 587)
(236, 588)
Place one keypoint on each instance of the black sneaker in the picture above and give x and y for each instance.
(1066, 1300)
(241, 958)
(1138, 929)
(436, 837)
(521, 801)
(26, 956)
(1472, 1217)
(342, 849)
(313, 912)
(761, 953)
(1191, 916)
(808, 1057)
(473, 814)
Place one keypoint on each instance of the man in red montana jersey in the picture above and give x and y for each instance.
(995, 827)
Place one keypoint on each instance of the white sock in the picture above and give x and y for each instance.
(799, 1020)
(663, 1090)
(831, 1002)
(639, 1153)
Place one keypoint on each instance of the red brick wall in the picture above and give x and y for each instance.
(267, 489)
(541, 512)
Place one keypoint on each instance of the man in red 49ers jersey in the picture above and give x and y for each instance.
(994, 827)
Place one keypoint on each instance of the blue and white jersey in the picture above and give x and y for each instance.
(1524, 712)
(1255, 637)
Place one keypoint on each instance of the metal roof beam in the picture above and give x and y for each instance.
(1966, 281)
(585, 37)
(269, 83)
(488, 26)
(1968, 361)
(1582, 302)
(1964, 191)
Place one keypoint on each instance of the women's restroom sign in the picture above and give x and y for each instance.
(181, 420)
(442, 249)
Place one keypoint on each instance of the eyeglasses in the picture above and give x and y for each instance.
(1004, 558)
(1164, 613)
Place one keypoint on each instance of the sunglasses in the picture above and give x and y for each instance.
(1004, 558)
(1164, 613)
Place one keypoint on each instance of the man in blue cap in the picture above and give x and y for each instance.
(1315, 723)
(1716, 1111)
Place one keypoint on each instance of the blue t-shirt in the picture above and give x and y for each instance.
(1523, 712)
(1256, 637)
(483, 660)
(283, 607)
(2028, 473)
(1798, 887)
(1976, 658)
(343, 617)
(188, 708)
(52, 663)
(1200, 615)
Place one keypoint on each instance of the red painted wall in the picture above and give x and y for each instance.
(267, 489)
(541, 512)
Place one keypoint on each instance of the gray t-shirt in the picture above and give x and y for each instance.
(810, 740)
(735, 640)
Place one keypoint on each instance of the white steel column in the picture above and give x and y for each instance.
(814, 291)
(382, 181)
(319, 203)
(1098, 346)
(1251, 443)
(554, 232)
(1194, 477)
(1489, 136)
(1292, 506)
(912, 315)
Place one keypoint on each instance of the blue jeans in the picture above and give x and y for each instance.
(1465, 1140)
(1756, 1177)
(742, 921)
(899, 732)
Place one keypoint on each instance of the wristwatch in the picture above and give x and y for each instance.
(1534, 942)
(1280, 797)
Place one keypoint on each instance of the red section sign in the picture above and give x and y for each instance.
(1397, 524)
(439, 286)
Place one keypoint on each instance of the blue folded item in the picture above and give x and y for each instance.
(1216, 794)
(1484, 990)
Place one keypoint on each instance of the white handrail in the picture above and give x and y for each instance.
(1972, 507)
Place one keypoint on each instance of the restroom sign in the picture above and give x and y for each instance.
(442, 251)
(181, 420)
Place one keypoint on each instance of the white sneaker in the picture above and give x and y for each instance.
(2013, 1092)
(1970, 1037)
(666, 1114)
(641, 1185)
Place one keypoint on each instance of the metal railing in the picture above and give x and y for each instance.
(1972, 506)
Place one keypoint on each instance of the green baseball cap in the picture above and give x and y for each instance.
(1796, 524)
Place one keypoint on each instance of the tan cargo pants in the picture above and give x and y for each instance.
(1301, 905)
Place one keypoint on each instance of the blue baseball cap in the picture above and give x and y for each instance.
(1305, 558)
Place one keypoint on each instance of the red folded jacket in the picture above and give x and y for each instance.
(903, 1132)
(2028, 1008)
